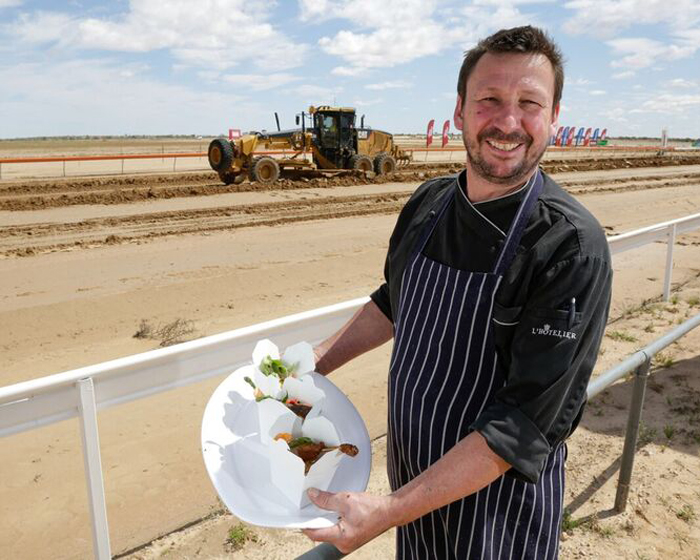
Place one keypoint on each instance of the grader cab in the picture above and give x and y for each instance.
(332, 143)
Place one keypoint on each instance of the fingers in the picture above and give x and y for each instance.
(329, 534)
(324, 500)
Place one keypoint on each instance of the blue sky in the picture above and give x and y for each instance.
(203, 66)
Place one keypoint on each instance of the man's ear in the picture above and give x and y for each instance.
(555, 121)
(457, 117)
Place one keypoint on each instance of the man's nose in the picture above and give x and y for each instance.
(508, 118)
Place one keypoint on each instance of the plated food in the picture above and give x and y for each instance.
(310, 451)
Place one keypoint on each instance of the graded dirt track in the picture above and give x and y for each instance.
(211, 210)
(94, 272)
(49, 193)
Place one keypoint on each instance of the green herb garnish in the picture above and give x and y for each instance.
(300, 441)
(272, 366)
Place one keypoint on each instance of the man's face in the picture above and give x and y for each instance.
(506, 117)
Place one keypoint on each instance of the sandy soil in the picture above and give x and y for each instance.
(64, 306)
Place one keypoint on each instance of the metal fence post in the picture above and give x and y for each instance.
(623, 482)
(324, 551)
(93, 469)
(669, 262)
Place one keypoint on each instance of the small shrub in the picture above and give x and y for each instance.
(674, 299)
(663, 360)
(568, 523)
(238, 535)
(646, 434)
(693, 301)
(649, 328)
(686, 513)
(669, 431)
(175, 331)
(145, 330)
(168, 334)
(621, 335)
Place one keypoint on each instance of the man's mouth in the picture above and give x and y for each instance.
(504, 146)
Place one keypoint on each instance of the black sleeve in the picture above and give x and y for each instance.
(552, 353)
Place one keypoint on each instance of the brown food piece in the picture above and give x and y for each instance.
(349, 449)
(299, 409)
(308, 451)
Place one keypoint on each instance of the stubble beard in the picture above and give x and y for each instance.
(488, 171)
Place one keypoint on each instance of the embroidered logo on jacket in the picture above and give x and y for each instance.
(546, 330)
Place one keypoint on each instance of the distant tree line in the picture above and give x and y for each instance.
(109, 137)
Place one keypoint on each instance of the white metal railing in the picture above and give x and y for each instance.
(658, 232)
(82, 392)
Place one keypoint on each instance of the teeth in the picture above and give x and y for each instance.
(503, 146)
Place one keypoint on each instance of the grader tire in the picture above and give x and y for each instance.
(220, 154)
(264, 170)
(384, 164)
(361, 163)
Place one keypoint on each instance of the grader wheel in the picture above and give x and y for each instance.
(384, 164)
(361, 163)
(220, 154)
(264, 170)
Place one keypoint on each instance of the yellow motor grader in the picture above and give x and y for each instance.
(331, 144)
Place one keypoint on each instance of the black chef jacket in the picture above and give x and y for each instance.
(550, 310)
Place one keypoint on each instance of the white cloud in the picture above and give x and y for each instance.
(10, 3)
(640, 52)
(351, 71)
(576, 82)
(258, 82)
(683, 83)
(670, 104)
(385, 34)
(207, 33)
(367, 102)
(617, 114)
(603, 18)
(317, 95)
(91, 96)
(395, 84)
(597, 92)
(624, 75)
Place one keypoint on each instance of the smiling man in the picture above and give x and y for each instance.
(496, 295)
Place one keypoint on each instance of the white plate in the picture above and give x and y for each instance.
(229, 418)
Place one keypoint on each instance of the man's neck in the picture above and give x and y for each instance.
(479, 190)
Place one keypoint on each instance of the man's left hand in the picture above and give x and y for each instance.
(362, 518)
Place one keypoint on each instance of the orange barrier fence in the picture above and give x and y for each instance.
(282, 152)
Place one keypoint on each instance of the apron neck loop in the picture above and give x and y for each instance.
(517, 227)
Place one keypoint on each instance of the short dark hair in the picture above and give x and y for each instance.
(526, 39)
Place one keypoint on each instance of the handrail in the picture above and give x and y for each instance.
(40, 402)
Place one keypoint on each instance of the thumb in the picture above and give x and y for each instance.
(324, 500)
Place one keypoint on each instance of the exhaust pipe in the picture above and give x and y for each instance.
(278, 121)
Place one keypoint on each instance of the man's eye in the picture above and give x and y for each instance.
(531, 102)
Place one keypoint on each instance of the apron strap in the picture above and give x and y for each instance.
(433, 218)
(517, 227)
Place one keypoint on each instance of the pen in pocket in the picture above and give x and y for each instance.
(572, 312)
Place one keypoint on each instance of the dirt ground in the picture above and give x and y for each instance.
(76, 280)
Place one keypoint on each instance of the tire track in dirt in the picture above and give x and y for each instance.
(37, 194)
(37, 238)
(41, 238)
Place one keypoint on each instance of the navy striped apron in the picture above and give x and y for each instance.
(444, 371)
